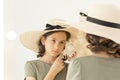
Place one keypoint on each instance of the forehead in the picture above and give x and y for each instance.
(58, 36)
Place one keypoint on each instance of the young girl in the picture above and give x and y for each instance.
(102, 25)
(49, 44)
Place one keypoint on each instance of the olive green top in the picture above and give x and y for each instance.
(94, 68)
(39, 69)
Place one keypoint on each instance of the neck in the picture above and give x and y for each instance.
(48, 58)
(103, 54)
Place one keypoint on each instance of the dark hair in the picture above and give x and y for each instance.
(98, 44)
(42, 47)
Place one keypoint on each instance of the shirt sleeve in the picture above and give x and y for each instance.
(30, 70)
(74, 72)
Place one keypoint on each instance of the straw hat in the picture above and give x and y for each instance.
(102, 19)
(30, 39)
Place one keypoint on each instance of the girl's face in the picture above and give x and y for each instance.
(55, 43)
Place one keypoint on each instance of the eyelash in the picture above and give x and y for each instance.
(60, 42)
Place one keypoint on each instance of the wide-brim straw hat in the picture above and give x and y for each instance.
(102, 19)
(30, 39)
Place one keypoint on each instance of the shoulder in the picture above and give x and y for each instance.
(81, 59)
(84, 58)
(31, 62)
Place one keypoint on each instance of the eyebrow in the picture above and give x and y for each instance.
(60, 40)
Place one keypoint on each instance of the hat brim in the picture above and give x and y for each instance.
(30, 39)
(100, 30)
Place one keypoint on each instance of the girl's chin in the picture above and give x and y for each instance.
(54, 55)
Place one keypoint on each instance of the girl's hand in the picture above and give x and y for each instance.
(57, 66)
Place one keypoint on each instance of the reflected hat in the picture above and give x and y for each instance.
(102, 19)
(30, 39)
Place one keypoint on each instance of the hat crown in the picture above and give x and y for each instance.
(106, 12)
(58, 23)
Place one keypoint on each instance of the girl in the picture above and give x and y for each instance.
(102, 25)
(49, 44)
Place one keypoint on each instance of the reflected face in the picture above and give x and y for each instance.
(55, 43)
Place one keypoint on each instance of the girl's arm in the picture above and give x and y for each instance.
(57, 66)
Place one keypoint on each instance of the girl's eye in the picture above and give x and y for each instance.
(53, 40)
(62, 42)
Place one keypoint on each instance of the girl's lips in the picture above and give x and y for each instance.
(55, 51)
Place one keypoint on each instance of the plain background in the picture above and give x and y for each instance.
(1, 41)
(28, 15)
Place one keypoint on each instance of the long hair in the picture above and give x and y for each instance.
(100, 44)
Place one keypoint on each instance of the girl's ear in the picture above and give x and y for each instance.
(43, 41)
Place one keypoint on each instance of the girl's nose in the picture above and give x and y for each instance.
(56, 46)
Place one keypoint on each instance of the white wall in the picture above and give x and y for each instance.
(1, 42)
(27, 15)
